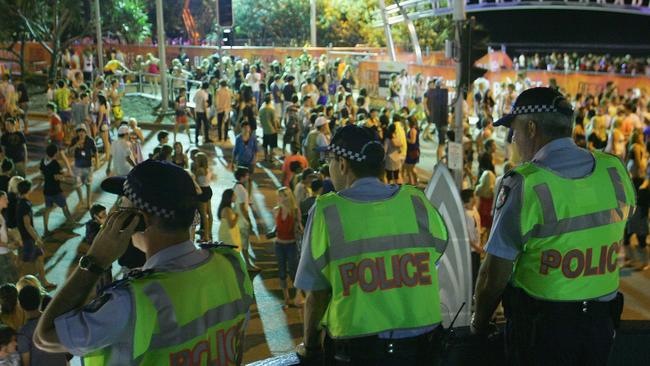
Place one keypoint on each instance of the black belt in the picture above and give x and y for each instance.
(376, 345)
(562, 309)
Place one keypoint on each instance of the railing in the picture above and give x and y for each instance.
(418, 9)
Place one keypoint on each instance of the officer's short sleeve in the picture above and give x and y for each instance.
(309, 277)
(101, 323)
(505, 237)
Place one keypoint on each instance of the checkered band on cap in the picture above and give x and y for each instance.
(348, 154)
(525, 109)
(143, 205)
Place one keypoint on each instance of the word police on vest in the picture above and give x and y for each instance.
(226, 345)
(370, 274)
(583, 261)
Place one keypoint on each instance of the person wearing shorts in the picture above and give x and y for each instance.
(180, 107)
(84, 150)
(52, 176)
(31, 254)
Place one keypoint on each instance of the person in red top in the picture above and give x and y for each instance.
(286, 225)
(56, 127)
(287, 174)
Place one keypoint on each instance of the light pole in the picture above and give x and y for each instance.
(100, 40)
(160, 25)
(459, 24)
(389, 35)
(312, 17)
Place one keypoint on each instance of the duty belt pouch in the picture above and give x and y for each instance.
(616, 309)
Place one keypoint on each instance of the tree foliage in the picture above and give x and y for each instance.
(283, 22)
(128, 19)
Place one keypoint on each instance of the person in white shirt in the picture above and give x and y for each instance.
(201, 113)
(223, 103)
(121, 153)
(253, 79)
(242, 205)
(473, 221)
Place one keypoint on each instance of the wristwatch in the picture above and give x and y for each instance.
(87, 263)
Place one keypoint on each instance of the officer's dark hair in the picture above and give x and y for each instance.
(373, 165)
(51, 150)
(466, 195)
(6, 334)
(29, 298)
(552, 125)
(24, 187)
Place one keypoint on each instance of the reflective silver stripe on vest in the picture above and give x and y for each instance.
(339, 248)
(171, 334)
(552, 226)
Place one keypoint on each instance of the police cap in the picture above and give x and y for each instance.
(538, 100)
(355, 143)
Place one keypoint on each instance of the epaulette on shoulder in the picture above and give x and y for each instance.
(217, 245)
(132, 275)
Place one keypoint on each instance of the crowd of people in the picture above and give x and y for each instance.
(305, 100)
(573, 62)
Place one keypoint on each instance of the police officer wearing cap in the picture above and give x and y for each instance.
(558, 225)
(186, 306)
(368, 263)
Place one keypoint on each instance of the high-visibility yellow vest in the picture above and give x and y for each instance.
(380, 260)
(572, 230)
(193, 317)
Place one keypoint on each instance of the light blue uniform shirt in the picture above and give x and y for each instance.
(95, 327)
(310, 278)
(563, 157)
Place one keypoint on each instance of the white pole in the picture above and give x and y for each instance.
(389, 35)
(312, 22)
(100, 40)
(459, 21)
(161, 55)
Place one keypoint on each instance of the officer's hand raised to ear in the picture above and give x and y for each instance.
(113, 238)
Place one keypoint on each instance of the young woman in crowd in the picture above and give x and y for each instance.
(179, 157)
(412, 152)
(103, 126)
(287, 223)
(203, 176)
(637, 158)
(137, 139)
(393, 162)
(228, 227)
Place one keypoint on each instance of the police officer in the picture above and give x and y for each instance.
(166, 314)
(558, 225)
(368, 264)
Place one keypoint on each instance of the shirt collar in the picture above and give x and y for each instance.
(365, 182)
(551, 147)
(169, 254)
